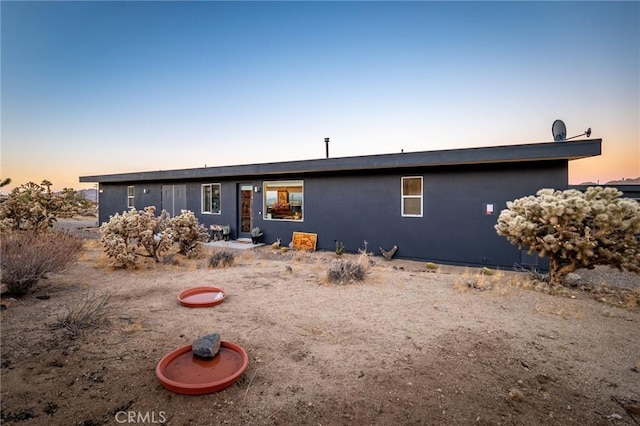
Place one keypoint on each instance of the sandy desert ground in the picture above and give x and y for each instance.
(406, 346)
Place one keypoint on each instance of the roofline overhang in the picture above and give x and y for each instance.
(545, 151)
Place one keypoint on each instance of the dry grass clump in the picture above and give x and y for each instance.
(86, 312)
(222, 258)
(483, 279)
(302, 256)
(614, 296)
(27, 256)
(504, 284)
(343, 271)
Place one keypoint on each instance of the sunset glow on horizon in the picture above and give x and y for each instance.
(92, 88)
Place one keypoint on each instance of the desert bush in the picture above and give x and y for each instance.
(345, 270)
(32, 206)
(27, 256)
(187, 233)
(222, 258)
(86, 312)
(575, 229)
(125, 233)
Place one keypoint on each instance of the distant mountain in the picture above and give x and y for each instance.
(623, 181)
(90, 194)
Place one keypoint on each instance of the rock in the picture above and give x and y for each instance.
(572, 279)
(207, 346)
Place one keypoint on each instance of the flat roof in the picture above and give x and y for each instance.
(545, 151)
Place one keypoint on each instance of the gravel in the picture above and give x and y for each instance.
(608, 276)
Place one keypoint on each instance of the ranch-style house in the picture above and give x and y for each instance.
(439, 206)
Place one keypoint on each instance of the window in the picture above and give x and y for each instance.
(130, 197)
(211, 198)
(412, 196)
(283, 200)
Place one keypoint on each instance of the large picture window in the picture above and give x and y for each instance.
(283, 200)
(211, 198)
(412, 196)
(131, 197)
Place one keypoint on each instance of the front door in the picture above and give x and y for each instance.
(245, 210)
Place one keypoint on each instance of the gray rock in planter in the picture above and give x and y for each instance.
(206, 347)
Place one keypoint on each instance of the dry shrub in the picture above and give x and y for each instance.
(27, 256)
(345, 270)
(222, 258)
(477, 281)
(86, 312)
(134, 326)
(494, 280)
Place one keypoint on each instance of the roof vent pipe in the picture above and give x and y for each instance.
(326, 141)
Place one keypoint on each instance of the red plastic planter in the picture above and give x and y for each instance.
(182, 372)
(201, 297)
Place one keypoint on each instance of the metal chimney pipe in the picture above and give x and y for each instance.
(326, 141)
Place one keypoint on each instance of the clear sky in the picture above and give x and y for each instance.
(109, 87)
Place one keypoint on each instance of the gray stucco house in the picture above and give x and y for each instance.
(439, 206)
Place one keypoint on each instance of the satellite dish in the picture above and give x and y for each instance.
(559, 131)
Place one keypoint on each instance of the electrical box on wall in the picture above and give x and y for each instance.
(489, 209)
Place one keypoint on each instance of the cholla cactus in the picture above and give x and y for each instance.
(575, 230)
(36, 207)
(123, 234)
(154, 232)
(188, 233)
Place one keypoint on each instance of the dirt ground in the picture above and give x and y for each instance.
(406, 346)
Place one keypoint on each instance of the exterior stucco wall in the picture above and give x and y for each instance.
(454, 227)
(355, 206)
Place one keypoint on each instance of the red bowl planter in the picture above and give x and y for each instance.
(201, 297)
(182, 372)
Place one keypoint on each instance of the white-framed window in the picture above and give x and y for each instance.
(283, 200)
(412, 196)
(131, 197)
(211, 198)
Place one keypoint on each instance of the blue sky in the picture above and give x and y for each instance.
(108, 87)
